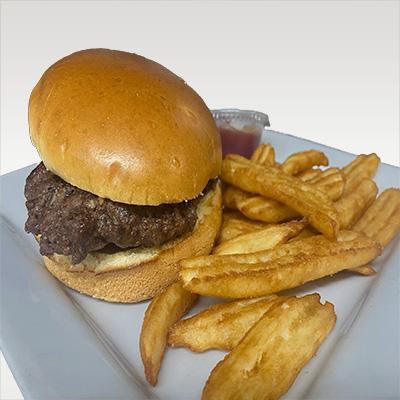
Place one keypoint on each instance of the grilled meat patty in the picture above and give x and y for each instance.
(71, 221)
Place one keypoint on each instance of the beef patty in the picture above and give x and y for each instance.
(71, 221)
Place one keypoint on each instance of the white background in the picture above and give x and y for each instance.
(324, 71)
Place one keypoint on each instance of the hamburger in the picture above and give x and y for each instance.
(127, 185)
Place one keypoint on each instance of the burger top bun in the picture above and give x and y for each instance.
(124, 127)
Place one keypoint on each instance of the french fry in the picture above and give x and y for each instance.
(262, 209)
(284, 267)
(163, 311)
(381, 221)
(262, 239)
(362, 167)
(309, 245)
(266, 362)
(264, 155)
(232, 195)
(353, 204)
(309, 232)
(292, 191)
(303, 160)
(306, 233)
(354, 165)
(308, 173)
(235, 226)
(232, 215)
(220, 326)
(331, 181)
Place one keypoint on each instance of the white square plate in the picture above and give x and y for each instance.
(60, 344)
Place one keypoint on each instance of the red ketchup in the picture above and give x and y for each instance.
(242, 142)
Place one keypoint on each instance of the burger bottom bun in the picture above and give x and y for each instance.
(139, 274)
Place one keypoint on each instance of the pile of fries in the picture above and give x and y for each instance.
(284, 225)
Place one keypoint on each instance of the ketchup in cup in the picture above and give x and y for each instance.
(235, 141)
(240, 130)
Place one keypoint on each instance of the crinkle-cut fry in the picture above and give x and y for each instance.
(264, 154)
(303, 160)
(308, 173)
(260, 208)
(163, 311)
(362, 167)
(309, 232)
(308, 245)
(353, 204)
(266, 362)
(262, 239)
(235, 226)
(232, 195)
(267, 210)
(220, 326)
(331, 181)
(281, 268)
(257, 208)
(381, 221)
(354, 165)
(292, 191)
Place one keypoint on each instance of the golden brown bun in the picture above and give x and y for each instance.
(124, 127)
(134, 275)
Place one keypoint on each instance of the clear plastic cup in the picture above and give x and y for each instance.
(240, 130)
